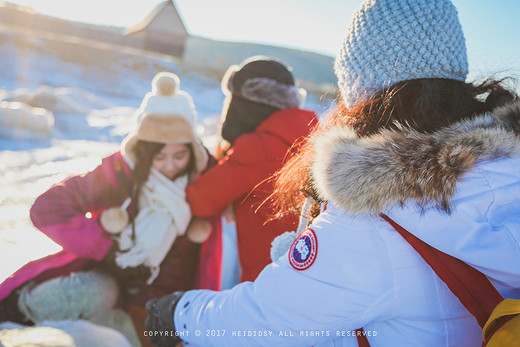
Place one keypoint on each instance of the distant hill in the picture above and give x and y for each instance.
(313, 70)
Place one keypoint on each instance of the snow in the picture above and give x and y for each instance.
(19, 120)
(93, 94)
(64, 333)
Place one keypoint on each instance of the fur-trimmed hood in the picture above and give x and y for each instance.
(371, 174)
(265, 91)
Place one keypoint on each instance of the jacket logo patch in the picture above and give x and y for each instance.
(304, 250)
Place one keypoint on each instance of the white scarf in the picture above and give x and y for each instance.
(163, 215)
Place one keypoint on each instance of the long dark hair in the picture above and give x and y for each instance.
(144, 152)
(423, 104)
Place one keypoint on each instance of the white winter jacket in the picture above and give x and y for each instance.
(457, 189)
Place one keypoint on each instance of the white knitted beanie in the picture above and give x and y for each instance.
(167, 115)
(167, 99)
(390, 41)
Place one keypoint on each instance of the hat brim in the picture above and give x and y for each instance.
(167, 130)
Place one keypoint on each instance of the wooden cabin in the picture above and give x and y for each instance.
(162, 31)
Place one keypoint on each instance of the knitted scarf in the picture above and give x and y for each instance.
(163, 215)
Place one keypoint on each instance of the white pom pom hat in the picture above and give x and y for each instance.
(167, 98)
(167, 115)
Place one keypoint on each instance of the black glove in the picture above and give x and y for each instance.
(160, 319)
(132, 279)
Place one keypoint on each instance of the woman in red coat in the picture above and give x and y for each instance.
(262, 122)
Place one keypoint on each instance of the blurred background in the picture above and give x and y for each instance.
(73, 73)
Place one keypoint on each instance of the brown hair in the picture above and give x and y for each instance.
(423, 104)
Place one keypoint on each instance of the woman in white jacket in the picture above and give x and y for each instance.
(410, 139)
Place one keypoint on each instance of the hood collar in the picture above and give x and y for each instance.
(371, 174)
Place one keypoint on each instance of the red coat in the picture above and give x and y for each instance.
(240, 178)
(67, 213)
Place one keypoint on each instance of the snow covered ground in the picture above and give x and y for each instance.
(92, 94)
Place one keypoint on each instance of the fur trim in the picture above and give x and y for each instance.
(166, 129)
(269, 92)
(265, 91)
(371, 174)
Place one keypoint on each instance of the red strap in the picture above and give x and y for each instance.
(472, 287)
(362, 338)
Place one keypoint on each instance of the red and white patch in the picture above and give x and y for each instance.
(304, 250)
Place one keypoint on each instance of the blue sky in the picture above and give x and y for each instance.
(491, 29)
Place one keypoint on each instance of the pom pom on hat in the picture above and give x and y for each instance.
(199, 230)
(167, 99)
(165, 83)
(390, 41)
(114, 220)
